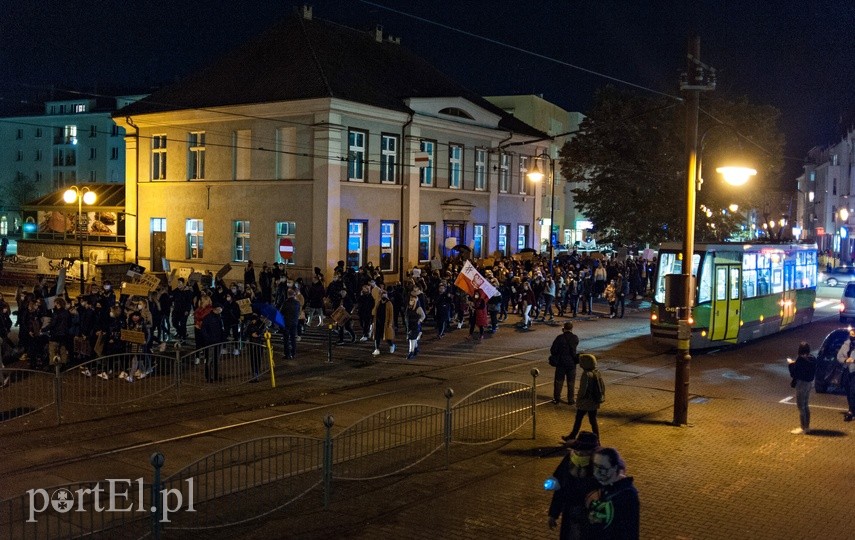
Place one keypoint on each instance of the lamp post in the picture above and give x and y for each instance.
(80, 195)
(699, 77)
(537, 176)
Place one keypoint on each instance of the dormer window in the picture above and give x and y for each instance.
(456, 111)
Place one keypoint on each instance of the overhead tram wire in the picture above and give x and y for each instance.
(525, 51)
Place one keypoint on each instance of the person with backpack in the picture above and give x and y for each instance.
(592, 392)
(562, 356)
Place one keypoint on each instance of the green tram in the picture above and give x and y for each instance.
(744, 291)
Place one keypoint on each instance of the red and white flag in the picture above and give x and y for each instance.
(469, 280)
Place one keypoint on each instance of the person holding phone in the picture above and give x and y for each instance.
(845, 357)
(803, 372)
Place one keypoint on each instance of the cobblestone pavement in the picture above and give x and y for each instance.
(736, 472)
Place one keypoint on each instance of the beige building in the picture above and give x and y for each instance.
(317, 143)
(561, 125)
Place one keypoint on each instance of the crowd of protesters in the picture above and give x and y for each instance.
(55, 328)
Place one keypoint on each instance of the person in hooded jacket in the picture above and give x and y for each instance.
(590, 395)
(613, 510)
(573, 480)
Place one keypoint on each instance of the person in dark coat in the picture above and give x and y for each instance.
(613, 510)
(182, 305)
(563, 353)
(573, 480)
(290, 311)
(443, 306)
(249, 275)
(803, 372)
(213, 333)
(365, 309)
(59, 333)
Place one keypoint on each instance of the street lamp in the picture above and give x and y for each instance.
(698, 77)
(537, 176)
(80, 195)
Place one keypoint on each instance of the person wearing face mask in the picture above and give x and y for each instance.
(573, 480)
(845, 356)
(613, 510)
(365, 308)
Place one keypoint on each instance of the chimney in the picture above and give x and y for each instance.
(307, 12)
(378, 33)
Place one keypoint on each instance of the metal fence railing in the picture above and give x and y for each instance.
(90, 388)
(255, 478)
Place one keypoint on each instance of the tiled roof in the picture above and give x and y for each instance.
(302, 58)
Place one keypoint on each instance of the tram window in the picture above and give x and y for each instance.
(721, 283)
(777, 280)
(734, 284)
(749, 275)
(706, 280)
(762, 282)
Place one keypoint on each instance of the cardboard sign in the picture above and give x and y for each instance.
(245, 306)
(135, 289)
(488, 262)
(435, 264)
(194, 277)
(223, 271)
(133, 336)
(183, 272)
(166, 266)
(149, 280)
(340, 315)
(135, 270)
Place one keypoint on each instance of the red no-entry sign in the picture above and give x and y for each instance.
(286, 248)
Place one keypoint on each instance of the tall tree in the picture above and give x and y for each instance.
(631, 154)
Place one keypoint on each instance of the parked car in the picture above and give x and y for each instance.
(836, 276)
(847, 302)
(826, 361)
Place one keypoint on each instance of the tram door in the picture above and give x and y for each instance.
(726, 302)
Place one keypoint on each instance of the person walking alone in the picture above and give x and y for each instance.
(803, 372)
(845, 357)
(562, 356)
(591, 394)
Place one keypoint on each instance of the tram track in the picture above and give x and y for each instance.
(153, 421)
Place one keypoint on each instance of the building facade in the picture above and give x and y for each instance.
(570, 224)
(338, 145)
(825, 190)
(74, 141)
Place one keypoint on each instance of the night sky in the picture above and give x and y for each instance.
(797, 56)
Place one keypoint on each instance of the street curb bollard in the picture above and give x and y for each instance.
(270, 356)
(177, 348)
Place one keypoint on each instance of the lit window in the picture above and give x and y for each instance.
(504, 172)
(523, 171)
(355, 243)
(285, 230)
(356, 141)
(478, 241)
(241, 231)
(195, 231)
(425, 242)
(158, 157)
(426, 172)
(522, 237)
(480, 169)
(388, 245)
(502, 239)
(196, 161)
(388, 159)
(158, 224)
(455, 166)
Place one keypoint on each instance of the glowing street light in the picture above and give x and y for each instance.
(80, 196)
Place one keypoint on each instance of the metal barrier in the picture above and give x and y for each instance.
(118, 379)
(255, 478)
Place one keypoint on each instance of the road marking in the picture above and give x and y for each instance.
(823, 303)
(789, 401)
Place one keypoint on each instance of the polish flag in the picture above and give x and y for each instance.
(469, 280)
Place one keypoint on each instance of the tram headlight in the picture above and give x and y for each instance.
(691, 320)
(654, 317)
